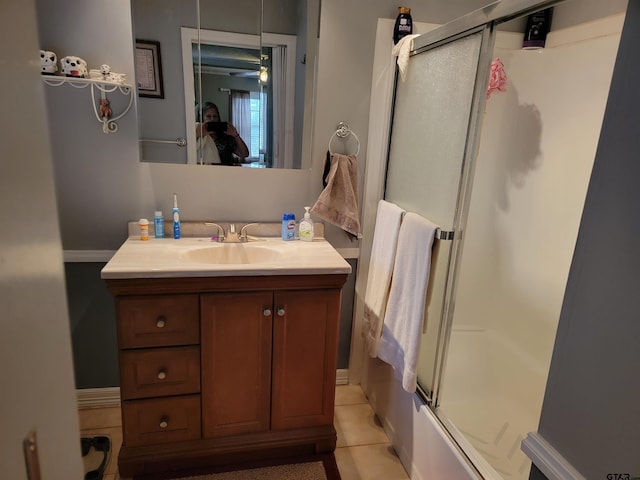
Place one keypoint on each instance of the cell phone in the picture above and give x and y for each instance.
(217, 127)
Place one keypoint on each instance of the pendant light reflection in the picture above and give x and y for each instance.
(264, 75)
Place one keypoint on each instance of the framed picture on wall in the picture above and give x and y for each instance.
(149, 69)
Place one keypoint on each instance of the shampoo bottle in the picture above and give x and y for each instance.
(403, 25)
(538, 26)
(176, 217)
(158, 224)
(306, 232)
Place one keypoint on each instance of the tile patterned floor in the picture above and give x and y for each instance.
(363, 450)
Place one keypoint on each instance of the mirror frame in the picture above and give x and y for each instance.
(190, 36)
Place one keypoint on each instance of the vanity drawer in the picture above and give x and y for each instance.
(158, 320)
(166, 420)
(159, 372)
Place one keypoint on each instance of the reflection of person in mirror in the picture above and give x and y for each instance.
(218, 142)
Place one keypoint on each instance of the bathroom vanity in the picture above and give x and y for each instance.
(227, 351)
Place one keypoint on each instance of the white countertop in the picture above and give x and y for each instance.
(167, 258)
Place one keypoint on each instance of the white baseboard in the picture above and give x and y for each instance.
(342, 376)
(98, 397)
(110, 397)
(548, 460)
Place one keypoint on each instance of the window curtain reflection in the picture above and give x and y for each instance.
(277, 77)
(241, 114)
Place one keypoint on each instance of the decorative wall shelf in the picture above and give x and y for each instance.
(109, 124)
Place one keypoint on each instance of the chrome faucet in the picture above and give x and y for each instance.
(232, 235)
(221, 235)
(243, 232)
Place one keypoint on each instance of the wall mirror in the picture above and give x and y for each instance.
(215, 51)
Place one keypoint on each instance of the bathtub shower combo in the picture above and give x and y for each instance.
(508, 174)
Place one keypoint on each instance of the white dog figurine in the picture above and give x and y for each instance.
(117, 77)
(105, 73)
(73, 67)
(48, 62)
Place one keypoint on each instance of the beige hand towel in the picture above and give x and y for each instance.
(402, 329)
(383, 253)
(338, 202)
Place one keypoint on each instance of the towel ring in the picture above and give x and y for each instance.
(343, 131)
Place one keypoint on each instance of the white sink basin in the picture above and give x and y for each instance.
(235, 253)
(200, 257)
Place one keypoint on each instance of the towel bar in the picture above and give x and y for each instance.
(180, 141)
(440, 234)
(444, 234)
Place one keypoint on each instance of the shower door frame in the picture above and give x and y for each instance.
(464, 188)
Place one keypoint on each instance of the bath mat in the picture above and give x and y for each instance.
(96, 452)
(318, 467)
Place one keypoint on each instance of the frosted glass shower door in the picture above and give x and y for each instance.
(428, 160)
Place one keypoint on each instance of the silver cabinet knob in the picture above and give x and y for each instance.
(162, 374)
(280, 311)
(266, 311)
(161, 321)
(164, 422)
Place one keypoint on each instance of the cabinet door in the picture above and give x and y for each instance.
(305, 348)
(236, 362)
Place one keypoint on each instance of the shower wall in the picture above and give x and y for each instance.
(538, 143)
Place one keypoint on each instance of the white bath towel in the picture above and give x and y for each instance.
(383, 252)
(402, 49)
(402, 329)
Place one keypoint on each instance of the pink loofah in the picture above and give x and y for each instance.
(498, 78)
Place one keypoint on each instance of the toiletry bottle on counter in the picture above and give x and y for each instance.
(144, 229)
(288, 226)
(158, 224)
(404, 24)
(305, 229)
(176, 217)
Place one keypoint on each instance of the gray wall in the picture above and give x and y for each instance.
(93, 326)
(591, 410)
(100, 182)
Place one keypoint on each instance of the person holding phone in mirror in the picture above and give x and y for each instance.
(219, 143)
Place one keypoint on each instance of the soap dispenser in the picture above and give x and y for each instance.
(305, 230)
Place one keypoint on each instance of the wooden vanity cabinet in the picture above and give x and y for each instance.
(225, 369)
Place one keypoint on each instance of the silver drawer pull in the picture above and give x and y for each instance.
(162, 374)
(280, 311)
(161, 321)
(266, 311)
(164, 422)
